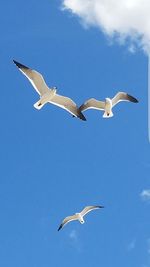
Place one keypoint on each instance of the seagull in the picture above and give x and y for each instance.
(48, 94)
(78, 216)
(108, 104)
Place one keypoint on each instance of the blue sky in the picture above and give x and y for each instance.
(53, 165)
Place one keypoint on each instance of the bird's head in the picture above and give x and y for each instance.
(108, 99)
(54, 89)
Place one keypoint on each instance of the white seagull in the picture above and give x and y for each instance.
(78, 216)
(108, 104)
(48, 94)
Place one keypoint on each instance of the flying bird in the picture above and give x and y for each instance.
(78, 216)
(48, 94)
(108, 104)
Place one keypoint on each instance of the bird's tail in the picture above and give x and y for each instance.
(108, 114)
(38, 105)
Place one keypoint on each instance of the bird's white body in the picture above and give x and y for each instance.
(108, 108)
(80, 218)
(47, 97)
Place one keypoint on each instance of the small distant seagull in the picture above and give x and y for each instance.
(48, 94)
(78, 216)
(108, 104)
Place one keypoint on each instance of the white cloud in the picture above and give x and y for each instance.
(73, 235)
(145, 194)
(148, 245)
(75, 240)
(131, 245)
(122, 19)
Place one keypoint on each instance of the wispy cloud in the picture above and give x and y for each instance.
(148, 252)
(131, 245)
(75, 240)
(145, 194)
(73, 236)
(126, 20)
(148, 246)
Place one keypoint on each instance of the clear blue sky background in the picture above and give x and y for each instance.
(53, 165)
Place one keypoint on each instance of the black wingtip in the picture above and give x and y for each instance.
(100, 207)
(19, 65)
(82, 117)
(59, 227)
(132, 99)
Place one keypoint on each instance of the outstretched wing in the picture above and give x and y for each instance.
(35, 78)
(122, 96)
(67, 220)
(67, 104)
(92, 104)
(90, 208)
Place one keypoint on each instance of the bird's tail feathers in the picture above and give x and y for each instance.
(108, 114)
(38, 105)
